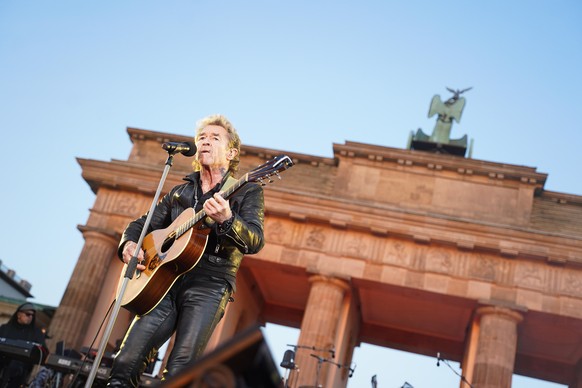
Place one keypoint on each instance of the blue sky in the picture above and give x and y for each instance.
(294, 76)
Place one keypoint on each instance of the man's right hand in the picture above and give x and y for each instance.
(129, 251)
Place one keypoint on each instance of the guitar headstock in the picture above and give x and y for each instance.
(263, 173)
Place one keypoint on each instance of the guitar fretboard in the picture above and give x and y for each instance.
(185, 227)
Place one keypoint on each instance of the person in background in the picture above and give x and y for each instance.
(197, 300)
(20, 326)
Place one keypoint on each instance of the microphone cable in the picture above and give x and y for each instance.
(92, 343)
(446, 362)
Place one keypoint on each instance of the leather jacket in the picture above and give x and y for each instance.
(226, 245)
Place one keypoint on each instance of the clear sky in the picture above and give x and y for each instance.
(295, 76)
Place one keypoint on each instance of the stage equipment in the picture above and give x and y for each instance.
(245, 361)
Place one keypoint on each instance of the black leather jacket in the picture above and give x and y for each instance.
(225, 248)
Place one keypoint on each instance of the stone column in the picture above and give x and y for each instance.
(496, 347)
(76, 308)
(318, 331)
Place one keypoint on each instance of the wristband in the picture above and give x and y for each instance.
(225, 226)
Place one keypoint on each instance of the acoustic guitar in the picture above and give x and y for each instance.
(175, 250)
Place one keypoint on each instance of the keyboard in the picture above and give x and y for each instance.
(23, 350)
(72, 365)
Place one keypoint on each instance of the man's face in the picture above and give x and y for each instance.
(212, 145)
(25, 317)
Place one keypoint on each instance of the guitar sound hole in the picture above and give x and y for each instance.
(167, 244)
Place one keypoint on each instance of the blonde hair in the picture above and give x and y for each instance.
(233, 139)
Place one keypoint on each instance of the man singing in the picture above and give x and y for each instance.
(197, 300)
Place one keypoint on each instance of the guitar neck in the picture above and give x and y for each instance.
(201, 214)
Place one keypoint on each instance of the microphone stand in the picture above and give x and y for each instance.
(320, 360)
(129, 272)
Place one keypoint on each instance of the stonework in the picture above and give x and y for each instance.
(406, 249)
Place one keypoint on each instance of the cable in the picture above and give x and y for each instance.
(92, 343)
(331, 350)
(446, 362)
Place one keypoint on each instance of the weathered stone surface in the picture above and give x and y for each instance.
(420, 243)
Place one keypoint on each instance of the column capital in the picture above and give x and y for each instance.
(340, 283)
(106, 234)
(504, 312)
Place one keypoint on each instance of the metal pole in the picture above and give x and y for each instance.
(129, 272)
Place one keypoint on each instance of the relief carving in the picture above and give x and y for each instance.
(421, 193)
(529, 275)
(316, 238)
(275, 232)
(355, 246)
(396, 253)
(126, 204)
(572, 284)
(439, 260)
(482, 267)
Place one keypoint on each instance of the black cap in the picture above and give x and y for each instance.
(27, 307)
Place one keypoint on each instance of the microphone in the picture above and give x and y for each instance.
(187, 148)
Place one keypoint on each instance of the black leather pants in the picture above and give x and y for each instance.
(192, 308)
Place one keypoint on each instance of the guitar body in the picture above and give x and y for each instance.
(165, 260)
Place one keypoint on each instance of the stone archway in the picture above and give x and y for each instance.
(479, 247)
